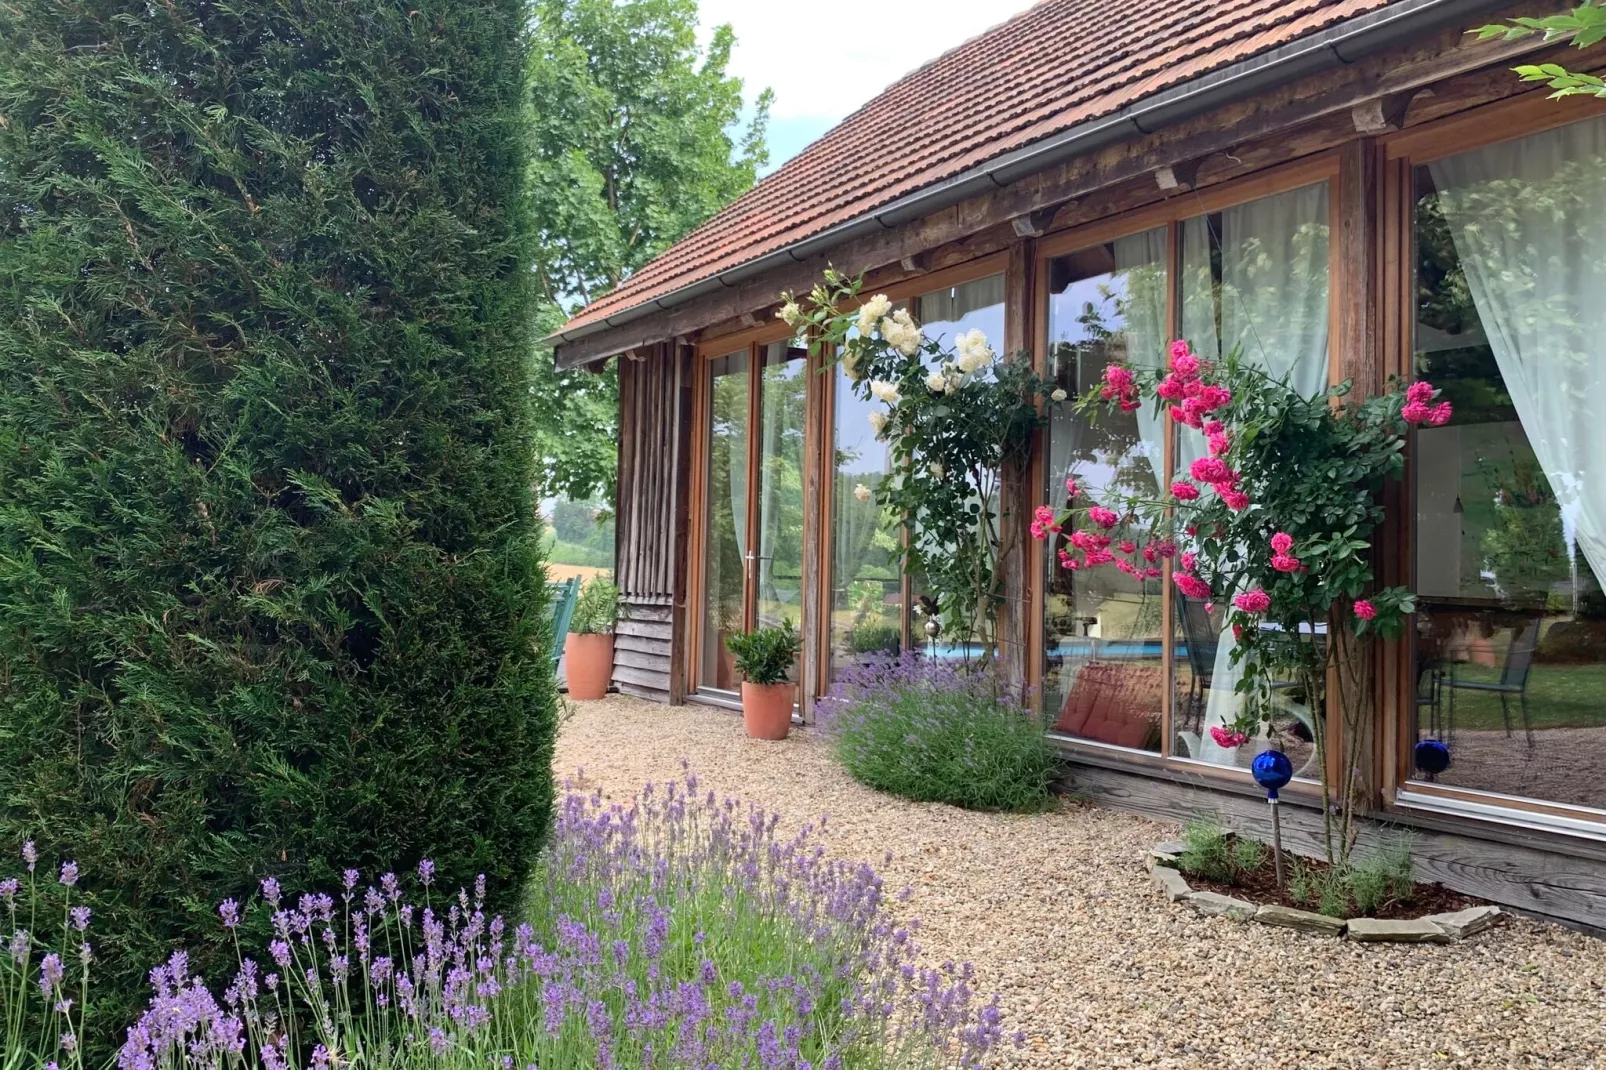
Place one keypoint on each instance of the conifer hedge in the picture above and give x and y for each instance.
(270, 588)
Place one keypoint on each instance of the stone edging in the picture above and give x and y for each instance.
(1432, 929)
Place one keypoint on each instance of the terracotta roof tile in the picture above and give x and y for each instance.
(1060, 63)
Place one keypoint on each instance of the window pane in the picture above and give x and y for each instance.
(1255, 279)
(944, 315)
(726, 516)
(1103, 673)
(866, 587)
(779, 564)
(1511, 494)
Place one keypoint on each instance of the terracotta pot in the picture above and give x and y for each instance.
(588, 664)
(767, 709)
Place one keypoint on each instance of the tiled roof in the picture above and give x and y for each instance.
(1060, 63)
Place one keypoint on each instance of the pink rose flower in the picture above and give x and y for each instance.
(1191, 585)
(1214, 427)
(1184, 492)
(1179, 348)
(1152, 573)
(1070, 486)
(1236, 500)
(1169, 388)
(1219, 444)
(1118, 376)
(1188, 560)
(1420, 392)
(1282, 542)
(1129, 568)
(1417, 412)
(1183, 416)
(1227, 737)
(1284, 563)
(1103, 517)
(1256, 601)
(1043, 522)
(1068, 562)
(1210, 470)
(1439, 415)
(1365, 610)
(1166, 548)
(1099, 557)
(1184, 363)
(1210, 607)
(1128, 546)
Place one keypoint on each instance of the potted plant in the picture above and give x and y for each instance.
(764, 658)
(588, 650)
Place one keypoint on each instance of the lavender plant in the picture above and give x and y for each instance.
(938, 732)
(675, 930)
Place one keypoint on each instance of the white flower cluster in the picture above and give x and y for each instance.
(872, 311)
(902, 333)
(861, 492)
(885, 391)
(972, 356)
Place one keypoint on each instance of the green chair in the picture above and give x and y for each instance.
(561, 597)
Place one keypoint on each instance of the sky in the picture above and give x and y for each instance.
(826, 57)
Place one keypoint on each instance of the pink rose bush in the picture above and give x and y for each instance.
(1272, 515)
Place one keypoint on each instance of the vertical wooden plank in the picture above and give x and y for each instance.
(1168, 450)
(624, 504)
(1014, 485)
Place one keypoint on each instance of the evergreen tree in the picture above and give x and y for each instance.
(270, 588)
(637, 140)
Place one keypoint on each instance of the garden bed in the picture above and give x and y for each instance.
(1426, 913)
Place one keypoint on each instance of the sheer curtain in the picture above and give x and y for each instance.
(1525, 217)
(1269, 299)
(1140, 265)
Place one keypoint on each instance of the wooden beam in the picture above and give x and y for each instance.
(1382, 114)
(1180, 176)
(1220, 131)
(1033, 224)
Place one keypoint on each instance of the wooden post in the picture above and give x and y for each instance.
(1014, 485)
(680, 545)
(817, 537)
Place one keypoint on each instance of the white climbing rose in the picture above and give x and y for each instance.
(936, 469)
(861, 492)
(878, 422)
(937, 383)
(1059, 395)
(885, 391)
(872, 310)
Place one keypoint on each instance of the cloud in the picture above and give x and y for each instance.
(826, 58)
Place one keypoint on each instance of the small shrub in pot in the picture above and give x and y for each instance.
(765, 658)
(588, 650)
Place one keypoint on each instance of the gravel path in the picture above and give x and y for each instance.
(1056, 912)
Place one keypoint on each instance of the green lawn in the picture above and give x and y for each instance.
(1559, 696)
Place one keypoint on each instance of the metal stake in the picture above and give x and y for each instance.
(1276, 838)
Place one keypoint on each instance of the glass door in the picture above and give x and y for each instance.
(753, 516)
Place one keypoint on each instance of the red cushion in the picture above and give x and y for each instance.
(1113, 702)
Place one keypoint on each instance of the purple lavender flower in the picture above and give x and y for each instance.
(8, 889)
(50, 973)
(69, 873)
(80, 918)
(229, 911)
(270, 891)
(426, 872)
(30, 854)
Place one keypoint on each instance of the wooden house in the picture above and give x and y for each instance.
(1354, 189)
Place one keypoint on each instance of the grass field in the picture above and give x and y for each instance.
(1559, 696)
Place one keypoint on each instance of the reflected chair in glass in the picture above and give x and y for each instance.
(1513, 678)
(1202, 641)
(1430, 694)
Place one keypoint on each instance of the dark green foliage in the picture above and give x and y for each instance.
(766, 655)
(875, 637)
(596, 612)
(1215, 854)
(269, 575)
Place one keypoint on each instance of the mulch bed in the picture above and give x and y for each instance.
(1260, 887)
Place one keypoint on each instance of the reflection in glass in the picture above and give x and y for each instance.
(1104, 673)
(943, 315)
(725, 548)
(1254, 278)
(779, 564)
(866, 588)
(1511, 494)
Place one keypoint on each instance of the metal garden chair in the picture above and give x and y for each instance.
(561, 597)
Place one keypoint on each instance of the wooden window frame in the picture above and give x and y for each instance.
(1320, 167)
(1465, 131)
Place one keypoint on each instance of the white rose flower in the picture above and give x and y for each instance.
(953, 384)
(974, 352)
(850, 365)
(937, 382)
(791, 314)
(936, 469)
(885, 391)
(861, 492)
(1059, 395)
(873, 310)
(878, 422)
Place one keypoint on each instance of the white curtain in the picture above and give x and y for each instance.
(1270, 299)
(1527, 223)
(1140, 266)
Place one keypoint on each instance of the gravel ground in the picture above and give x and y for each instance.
(1056, 912)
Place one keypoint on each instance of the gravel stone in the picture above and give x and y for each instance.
(1213, 904)
(1413, 931)
(1303, 920)
(1060, 920)
(1464, 923)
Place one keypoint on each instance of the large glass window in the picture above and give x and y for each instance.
(725, 544)
(1254, 279)
(1511, 494)
(1104, 673)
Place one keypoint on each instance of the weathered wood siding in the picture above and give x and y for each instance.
(650, 555)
